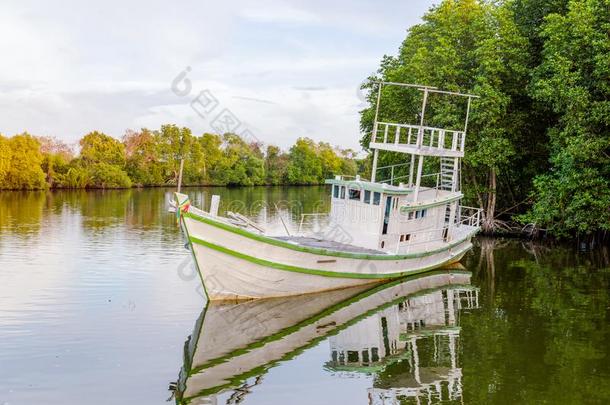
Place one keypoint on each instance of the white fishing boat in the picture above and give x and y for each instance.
(234, 344)
(376, 229)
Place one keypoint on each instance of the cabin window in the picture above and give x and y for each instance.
(342, 192)
(352, 356)
(418, 214)
(374, 354)
(354, 194)
(367, 197)
(336, 191)
(405, 237)
(365, 356)
(376, 198)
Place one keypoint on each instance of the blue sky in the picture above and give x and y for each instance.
(282, 69)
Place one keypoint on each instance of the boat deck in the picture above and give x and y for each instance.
(328, 244)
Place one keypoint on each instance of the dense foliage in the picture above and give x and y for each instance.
(538, 145)
(152, 158)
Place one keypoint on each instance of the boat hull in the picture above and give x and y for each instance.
(235, 264)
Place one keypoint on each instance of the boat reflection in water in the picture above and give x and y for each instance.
(403, 333)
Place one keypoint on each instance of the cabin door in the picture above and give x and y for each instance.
(386, 215)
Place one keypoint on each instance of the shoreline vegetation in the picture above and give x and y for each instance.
(538, 144)
(148, 158)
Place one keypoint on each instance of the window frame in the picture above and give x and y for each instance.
(352, 192)
(376, 198)
(367, 196)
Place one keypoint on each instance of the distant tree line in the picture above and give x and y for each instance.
(152, 158)
(538, 144)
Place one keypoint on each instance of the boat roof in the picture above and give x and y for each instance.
(367, 185)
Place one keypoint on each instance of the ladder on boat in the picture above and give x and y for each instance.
(448, 174)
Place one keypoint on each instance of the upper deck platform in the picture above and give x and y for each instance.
(418, 140)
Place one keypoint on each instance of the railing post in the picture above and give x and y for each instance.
(374, 169)
(374, 134)
(420, 165)
(377, 112)
(420, 136)
(411, 168)
(385, 134)
(397, 136)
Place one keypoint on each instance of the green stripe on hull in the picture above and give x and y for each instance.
(317, 272)
(318, 251)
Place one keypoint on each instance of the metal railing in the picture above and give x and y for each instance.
(426, 237)
(470, 216)
(435, 176)
(349, 177)
(311, 223)
(392, 177)
(419, 136)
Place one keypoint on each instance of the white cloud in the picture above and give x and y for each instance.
(70, 67)
(278, 13)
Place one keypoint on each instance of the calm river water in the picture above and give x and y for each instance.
(99, 304)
